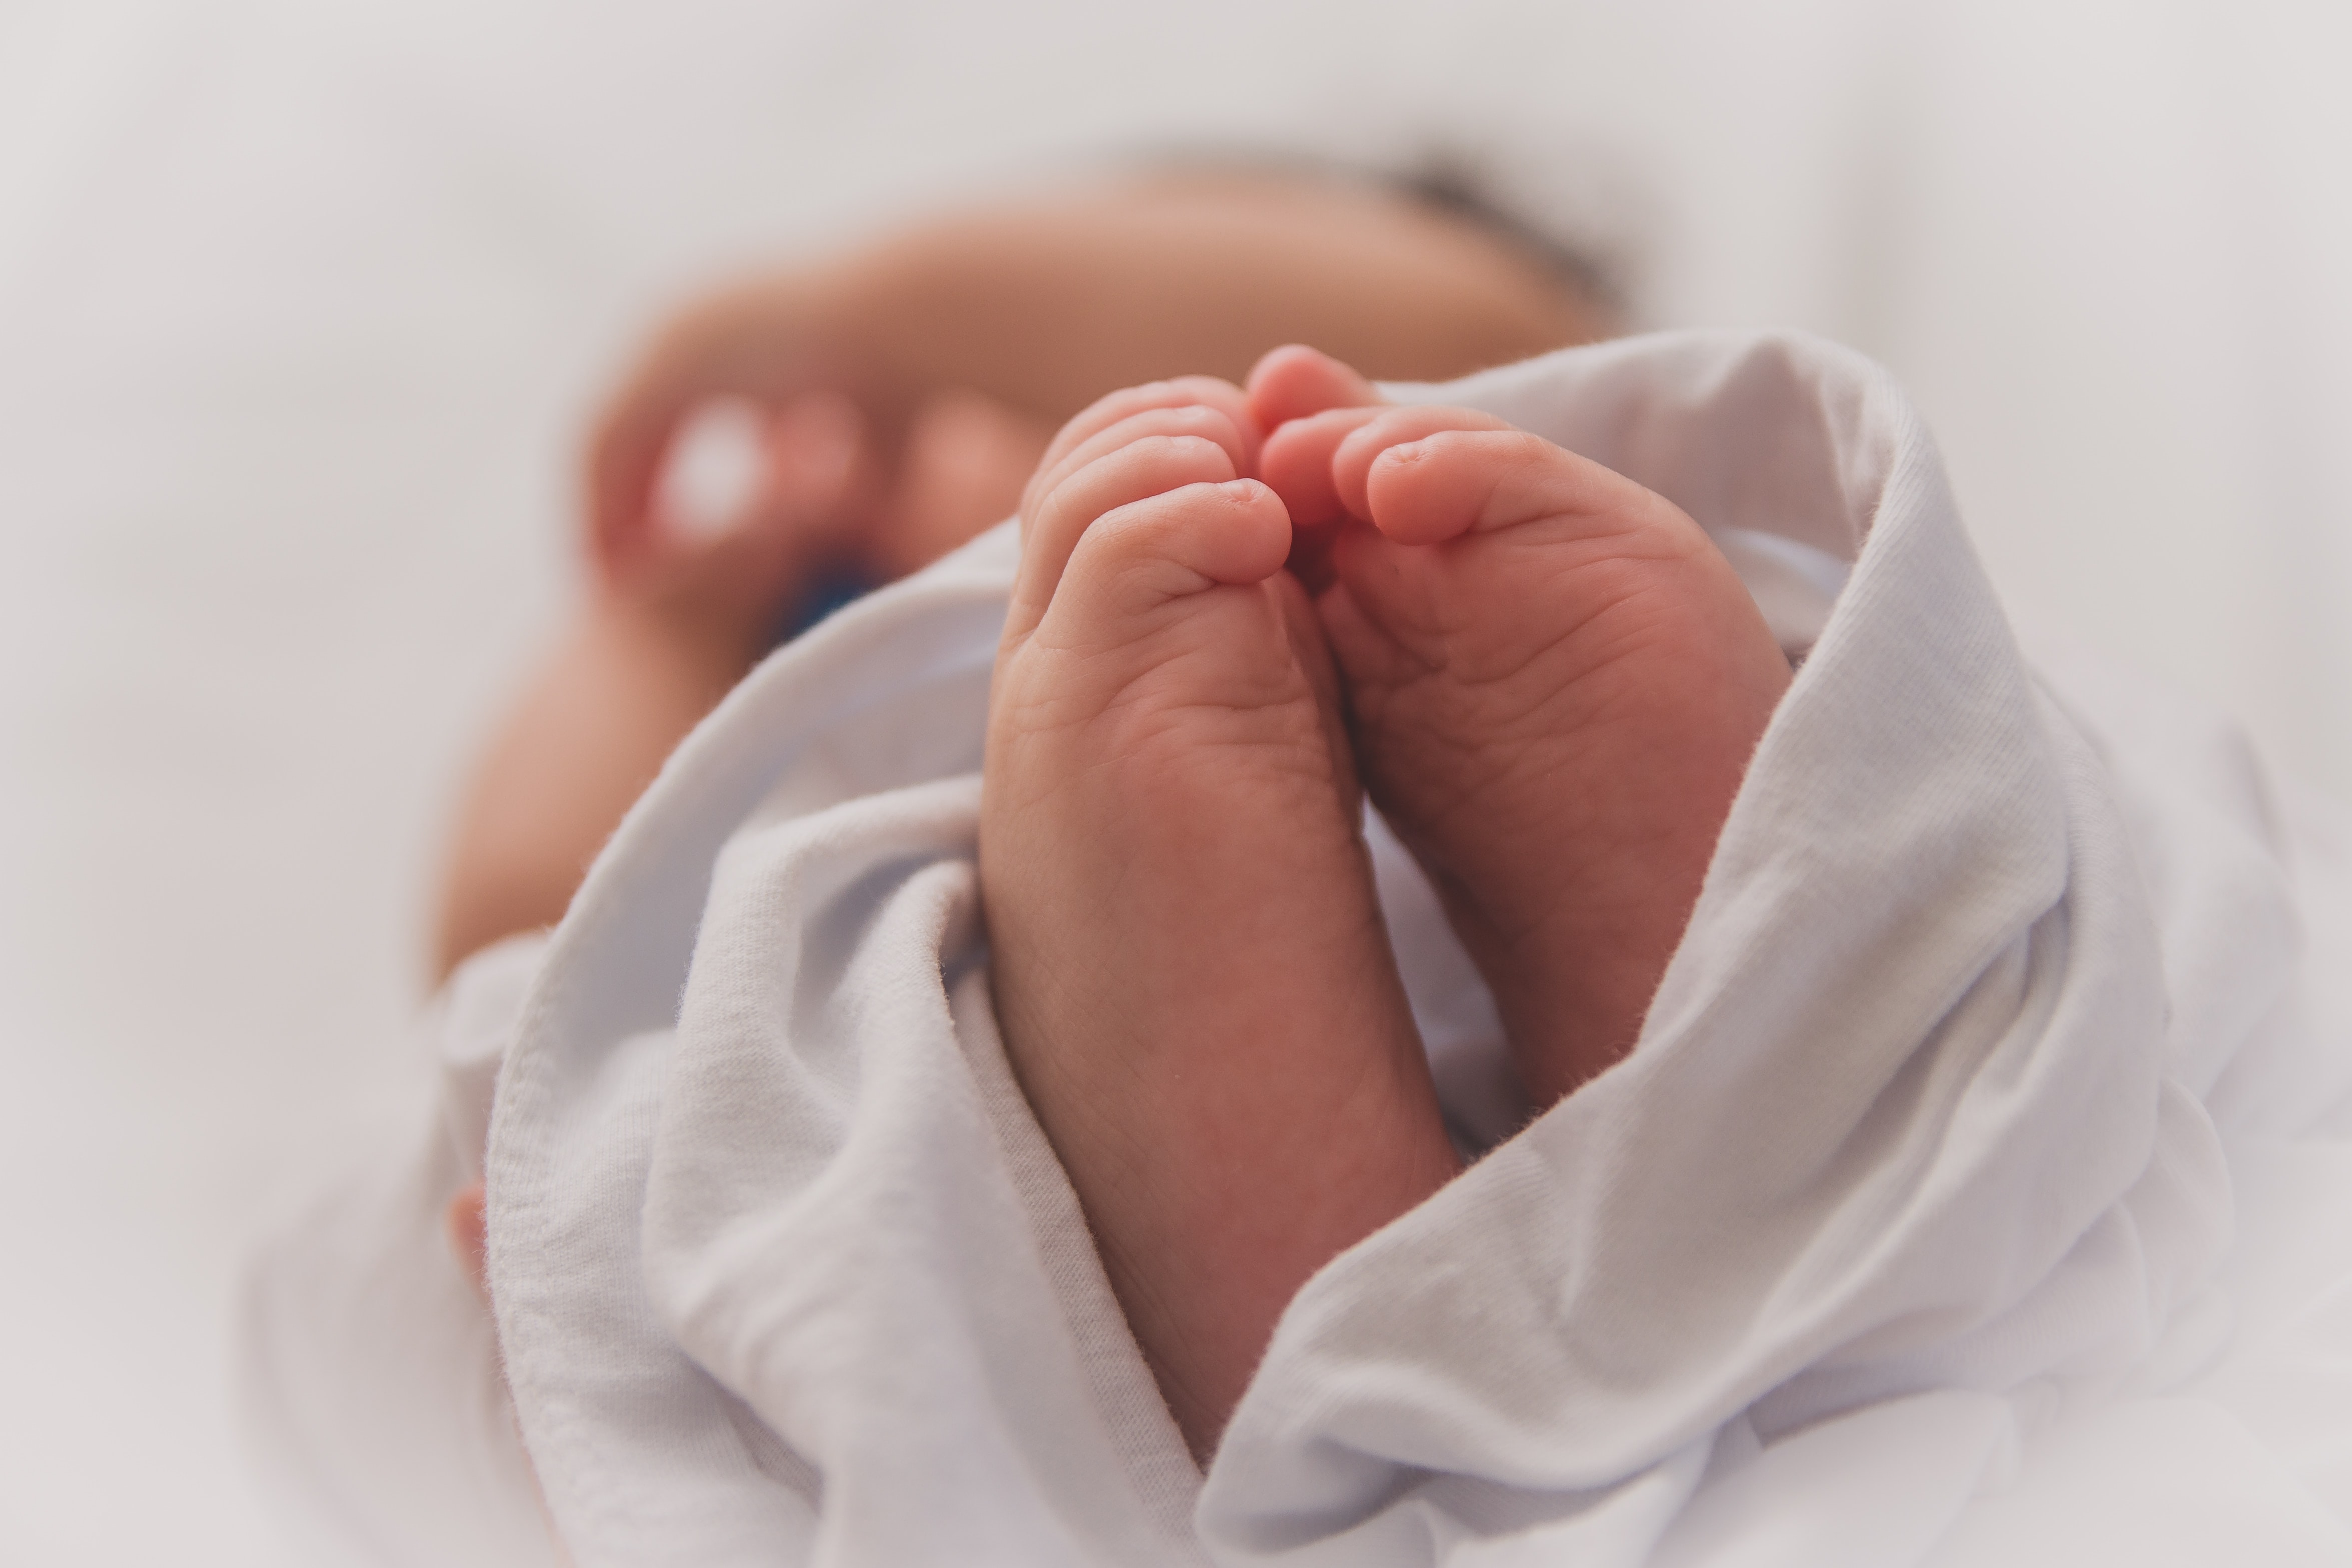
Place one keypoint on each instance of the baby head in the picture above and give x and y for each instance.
(913, 380)
(1198, 269)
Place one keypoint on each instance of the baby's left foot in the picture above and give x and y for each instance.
(1187, 960)
(1555, 682)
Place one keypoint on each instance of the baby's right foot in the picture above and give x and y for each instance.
(1555, 680)
(1190, 967)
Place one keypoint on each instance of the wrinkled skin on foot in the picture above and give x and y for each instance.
(1190, 967)
(1554, 682)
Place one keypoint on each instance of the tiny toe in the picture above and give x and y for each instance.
(1209, 424)
(1171, 546)
(1115, 408)
(1159, 450)
(1293, 381)
(1452, 455)
(1297, 462)
(1455, 482)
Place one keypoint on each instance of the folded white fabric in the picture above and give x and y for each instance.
(1916, 1164)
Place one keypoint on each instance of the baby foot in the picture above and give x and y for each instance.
(1190, 967)
(1555, 682)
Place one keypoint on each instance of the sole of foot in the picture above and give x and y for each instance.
(1190, 967)
(1554, 682)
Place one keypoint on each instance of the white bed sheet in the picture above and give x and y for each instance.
(301, 305)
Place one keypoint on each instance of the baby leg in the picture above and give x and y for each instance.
(1190, 966)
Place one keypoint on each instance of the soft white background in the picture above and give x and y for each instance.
(302, 305)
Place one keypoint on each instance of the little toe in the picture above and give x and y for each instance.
(1089, 428)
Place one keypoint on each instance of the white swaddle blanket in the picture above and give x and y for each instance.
(1921, 1171)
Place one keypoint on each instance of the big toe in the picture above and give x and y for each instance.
(1141, 558)
(1295, 380)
